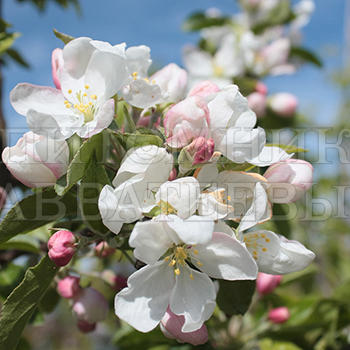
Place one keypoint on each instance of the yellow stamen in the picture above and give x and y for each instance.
(87, 87)
(70, 91)
(94, 97)
(195, 251)
(264, 249)
(199, 263)
(191, 277)
(177, 272)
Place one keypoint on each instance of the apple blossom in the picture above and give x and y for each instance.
(171, 325)
(261, 88)
(68, 287)
(37, 161)
(62, 247)
(266, 284)
(288, 180)
(132, 195)
(284, 104)
(93, 72)
(279, 315)
(204, 89)
(257, 102)
(232, 128)
(166, 244)
(186, 121)
(172, 81)
(103, 250)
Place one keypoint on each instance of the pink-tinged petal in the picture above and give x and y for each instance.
(284, 104)
(69, 287)
(266, 284)
(204, 89)
(56, 64)
(61, 246)
(172, 324)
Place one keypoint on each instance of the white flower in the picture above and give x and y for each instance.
(232, 128)
(167, 244)
(92, 74)
(37, 161)
(274, 254)
(141, 172)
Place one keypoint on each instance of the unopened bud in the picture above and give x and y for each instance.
(61, 247)
(172, 175)
(266, 283)
(284, 104)
(257, 102)
(68, 287)
(279, 315)
(86, 327)
(103, 250)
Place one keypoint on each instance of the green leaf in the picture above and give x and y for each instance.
(23, 243)
(6, 41)
(305, 55)
(23, 301)
(200, 20)
(289, 148)
(280, 14)
(234, 297)
(62, 36)
(137, 140)
(246, 85)
(35, 211)
(268, 344)
(124, 118)
(79, 163)
(10, 276)
(281, 220)
(18, 58)
(49, 301)
(89, 190)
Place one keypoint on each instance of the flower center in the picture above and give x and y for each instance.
(256, 243)
(218, 71)
(166, 208)
(86, 104)
(179, 257)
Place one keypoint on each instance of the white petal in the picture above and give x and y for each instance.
(152, 161)
(194, 230)
(197, 62)
(142, 94)
(226, 258)
(190, 297)
(275, 254)
(240, 144)
(101, 121)
(138, 59)
(259, 211)
(150, 241)
(54, 126)
(144, 302)
(211, 205)
(106, 73)
(270, 155)
(76, 55)
(182, 194)
(43, 99)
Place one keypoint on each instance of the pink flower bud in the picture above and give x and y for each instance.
(86, 327)
(279, 315)
(37, 161)
(204, 89)
(90, 306)
(288, 180)
(172, 81)
(257, 102)
(171, 326)
(120, 282)
(68, 287)
(103, 250)
(266, 283)
(284, 104)
(61, 247)
(56, 63)
(186, 121)
(3, 197)
(172, 175)
(261, 88)
(201, 149)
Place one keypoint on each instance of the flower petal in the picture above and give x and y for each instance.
(101, 121)
(191, 296)
(270, 155)
(224, 257)
(194, 230)
(144, 302)
(150, 241)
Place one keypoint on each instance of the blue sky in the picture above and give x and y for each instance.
(157, 23)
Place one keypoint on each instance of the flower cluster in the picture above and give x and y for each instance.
(188, 197)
